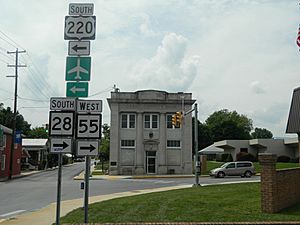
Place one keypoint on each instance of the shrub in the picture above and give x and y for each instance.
(225, 157)
(244, 156)
(295, 160)
(283, 158)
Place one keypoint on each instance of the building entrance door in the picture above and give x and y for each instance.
(151, 162)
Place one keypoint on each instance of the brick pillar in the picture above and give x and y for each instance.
(299, 146)
(203, 160)
(268, 182)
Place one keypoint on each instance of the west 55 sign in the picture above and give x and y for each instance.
(88, 126)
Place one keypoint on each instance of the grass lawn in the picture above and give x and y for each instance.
(213, 164)
(232, 202)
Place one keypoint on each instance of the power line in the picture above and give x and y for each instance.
(16, 44)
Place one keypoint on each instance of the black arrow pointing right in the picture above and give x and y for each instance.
(63, 145)
(91, 148)
(76, 48)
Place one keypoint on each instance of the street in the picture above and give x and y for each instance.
(39, 190)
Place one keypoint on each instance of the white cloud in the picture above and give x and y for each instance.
(257, 88)
(169, 69)
(145, 27)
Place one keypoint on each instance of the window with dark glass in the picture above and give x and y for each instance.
(151, 121)
(127, 120)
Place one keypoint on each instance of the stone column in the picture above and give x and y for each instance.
(139, 150)
(268, 182)
(161, 156)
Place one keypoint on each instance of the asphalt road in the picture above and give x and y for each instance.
(39, 190)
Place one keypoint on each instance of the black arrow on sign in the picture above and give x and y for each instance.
(63, 145)
(91, 148)
(76, 48)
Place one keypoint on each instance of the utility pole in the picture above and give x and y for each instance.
(15, 109)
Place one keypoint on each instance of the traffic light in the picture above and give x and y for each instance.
(174, 120)
(179, 118)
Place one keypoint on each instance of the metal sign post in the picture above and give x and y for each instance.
(86, 190)
(58, 189)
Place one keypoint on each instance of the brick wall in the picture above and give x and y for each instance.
(279, 188)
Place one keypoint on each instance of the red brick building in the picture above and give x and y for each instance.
(5, 154)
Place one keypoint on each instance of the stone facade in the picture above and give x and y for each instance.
(142, 138)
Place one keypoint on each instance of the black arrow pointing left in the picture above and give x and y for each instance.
(76, 48)
(90, 148)
(63, 145)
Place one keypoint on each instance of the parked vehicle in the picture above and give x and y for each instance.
(240, 168)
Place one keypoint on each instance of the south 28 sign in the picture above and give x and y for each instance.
(88, 126)
(61, 123)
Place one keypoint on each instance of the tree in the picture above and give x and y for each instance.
(204, 138)
(6, 119)
(38, 132)
(261, 133)
(224, 124)
(104, 147)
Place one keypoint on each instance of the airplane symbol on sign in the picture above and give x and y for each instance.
(78, 69)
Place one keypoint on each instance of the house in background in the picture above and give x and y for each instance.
(142, 137)
(36, 151)
(5, 154)
(280, 147)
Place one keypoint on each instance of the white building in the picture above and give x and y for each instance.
(142, 138)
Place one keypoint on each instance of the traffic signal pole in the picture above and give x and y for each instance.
(197, 163)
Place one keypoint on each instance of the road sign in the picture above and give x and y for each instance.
(61, 123)
(60, 145)
(87, 147)
(78, 68)
(79, 48)
(63, 104)
(77, 89)
(80, 27)
(89, 106)
(84, 9)
(88, 126)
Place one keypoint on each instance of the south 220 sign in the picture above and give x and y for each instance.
(88, 126)
(80, 27)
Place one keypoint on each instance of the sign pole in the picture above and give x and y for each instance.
(58, 189)
(86, 190)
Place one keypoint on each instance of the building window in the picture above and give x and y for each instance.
(151, 121)
(3, 162)
(128, 121)
(173, 144)
(169, 122)
(127, 144)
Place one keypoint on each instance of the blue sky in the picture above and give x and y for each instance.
(235, 54)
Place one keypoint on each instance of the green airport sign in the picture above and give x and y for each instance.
(78, 68)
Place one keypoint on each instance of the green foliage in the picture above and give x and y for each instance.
(38, 132)
(6, 119)
(283, 158)
(225, 157)
(245, 156)
(104, 147)
(224, 125)
(261, 133)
